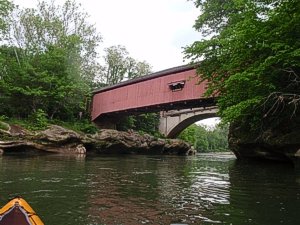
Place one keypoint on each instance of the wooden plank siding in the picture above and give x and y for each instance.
(148, 91)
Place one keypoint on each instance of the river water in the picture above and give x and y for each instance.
(130, 189)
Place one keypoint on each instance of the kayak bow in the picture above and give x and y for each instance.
(18, 212)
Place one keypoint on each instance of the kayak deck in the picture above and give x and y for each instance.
(18, 212)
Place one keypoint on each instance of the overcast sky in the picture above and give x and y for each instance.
(151, 30)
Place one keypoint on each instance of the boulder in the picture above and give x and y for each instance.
(112, 141)
(58, 135)
(280, 143)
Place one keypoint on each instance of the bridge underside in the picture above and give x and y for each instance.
(109, 120)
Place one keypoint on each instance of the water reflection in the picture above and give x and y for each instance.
(48, 183)
(158, 190)
(263, 193)
(205, 189)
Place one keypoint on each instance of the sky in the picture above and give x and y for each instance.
(154, 31)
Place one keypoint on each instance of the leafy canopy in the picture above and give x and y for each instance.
(250, 55)
(48, 60)
(65, 26)
(205, 139)
(119, 66)
(49, 65)
(5, 8)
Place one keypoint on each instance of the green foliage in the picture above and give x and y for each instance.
(3, 118)
(66, 26)
(87, 127)
(126, 123)
(38, 120)
(83, 125)
(119, 66)
(50, 63)
(41, 81)
(189, 134)
(3, 126)
(49, 66)
(5, 8)
(250, 56)
(147, 123)
(206, 140)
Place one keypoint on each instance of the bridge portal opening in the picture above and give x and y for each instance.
(173, 122)
(207, 136)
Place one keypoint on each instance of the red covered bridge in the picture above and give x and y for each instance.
(172, 89)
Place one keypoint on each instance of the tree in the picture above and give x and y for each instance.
(206, 140)
(115, 66)
(188, 134)
(147, 122)
(5, 8)
(50, 24)
(40, 82)
(50, 61)
(250, 54)
(119, 66)
(137, 69)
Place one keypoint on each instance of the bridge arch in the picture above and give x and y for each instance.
(173, 123)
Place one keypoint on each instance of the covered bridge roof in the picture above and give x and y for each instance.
(161, 73)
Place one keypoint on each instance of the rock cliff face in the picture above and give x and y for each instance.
(277, 143)
(57, 139)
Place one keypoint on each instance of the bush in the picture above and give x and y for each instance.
(39, 120)
(88, 128)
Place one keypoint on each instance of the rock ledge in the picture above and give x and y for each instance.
(57, 139)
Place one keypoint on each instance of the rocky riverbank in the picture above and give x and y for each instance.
(57, 139)
(279, 143)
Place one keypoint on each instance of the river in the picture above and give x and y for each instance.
(131, 189)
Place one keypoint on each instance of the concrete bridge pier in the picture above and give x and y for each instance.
(174, 121)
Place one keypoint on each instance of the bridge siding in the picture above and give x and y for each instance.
(147, 93)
